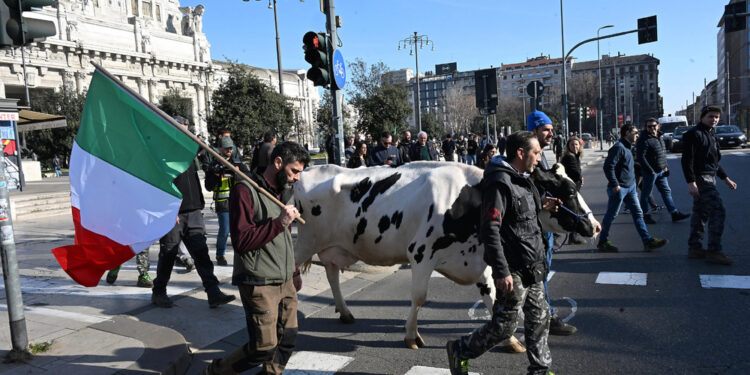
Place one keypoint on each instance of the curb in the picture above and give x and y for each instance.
(166, 350)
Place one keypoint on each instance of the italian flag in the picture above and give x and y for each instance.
(123, 161)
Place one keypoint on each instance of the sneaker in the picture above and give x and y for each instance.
(189, 265)
(607, 247)
(648, 219)
(457, 366)
(717, 257)
(219, 298)
(677, 216)
(696, 253)
(221, 260)
(559, 328)
(144, 281)
(112, 275)
(161, 300)
(654, 243)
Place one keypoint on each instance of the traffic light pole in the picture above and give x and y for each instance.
(336, 95)
(18, 335)
(486, 108)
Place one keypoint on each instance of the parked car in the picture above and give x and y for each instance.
(730, 136)
(677, 138)
(586, 137)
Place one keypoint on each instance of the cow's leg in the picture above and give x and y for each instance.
(488, 292)
(334, 259)
(420, 278)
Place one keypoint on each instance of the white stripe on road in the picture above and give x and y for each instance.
(61, 314)
(550, 273)
(622, 278)
(436, 274)
(423, 370)
(314, 363)
(725, 281)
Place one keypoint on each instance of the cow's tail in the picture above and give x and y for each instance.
(306, 266)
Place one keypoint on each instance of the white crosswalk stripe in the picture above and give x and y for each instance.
(423, 370)
(725, 281)
(622, 278)
(315, 363)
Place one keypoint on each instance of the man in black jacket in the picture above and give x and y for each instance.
(423, 149)
(191, 230)
(651, 155)
(515, 251)
(449, 147)
(700, 164)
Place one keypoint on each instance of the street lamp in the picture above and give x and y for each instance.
(599, 116)
(272, 5)
(412, 42)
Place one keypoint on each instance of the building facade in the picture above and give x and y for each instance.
(733, 75)
(153, 46)
(513, 78)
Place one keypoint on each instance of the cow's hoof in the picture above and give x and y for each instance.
(414, 343)
(512, 345)
(347, 318)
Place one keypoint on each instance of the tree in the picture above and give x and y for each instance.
(47, 143)
(323, 117)
(380, 106)
(248, 108)
(174, 104)
(431, 126)
(460, 109)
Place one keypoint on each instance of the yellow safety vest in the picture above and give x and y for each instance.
(221, 192)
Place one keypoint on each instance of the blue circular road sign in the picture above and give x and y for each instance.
(339, 69)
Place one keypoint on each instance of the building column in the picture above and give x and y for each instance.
(80, 77)
(199, 110)
(151, 84)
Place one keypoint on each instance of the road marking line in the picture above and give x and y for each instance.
(61, 314)
(573, 309)
(436, 274)
(315, 363)
(622, 278)
(54, 286)
(725, 281)
(423, 370)
(473, 312)
(550, 274)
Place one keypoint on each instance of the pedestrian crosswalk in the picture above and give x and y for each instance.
(622, 278)
(316, 363)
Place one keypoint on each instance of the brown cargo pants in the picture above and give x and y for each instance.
(271, 313)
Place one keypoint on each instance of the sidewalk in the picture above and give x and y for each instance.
(113, 329)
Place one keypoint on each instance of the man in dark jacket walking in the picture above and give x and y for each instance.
(191, 230)
(264, 268)
(423, 149)
(651, 155)
(385, 153)
(618, 168)
(449, 148)
(404, 147)
(515, 251)
(700, 164)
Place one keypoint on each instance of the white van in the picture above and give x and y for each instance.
(667, 126)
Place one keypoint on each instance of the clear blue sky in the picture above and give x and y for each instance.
(475, 33)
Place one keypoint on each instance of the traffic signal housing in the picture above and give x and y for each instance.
(735, 16)
(316, 53)
(585, 113)
(16, 29)
(647, 30)
(572, 110)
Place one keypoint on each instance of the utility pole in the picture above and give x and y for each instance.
(336, 94)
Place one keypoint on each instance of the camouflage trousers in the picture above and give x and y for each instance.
(142, 262)
(707, 208)
(504, 322)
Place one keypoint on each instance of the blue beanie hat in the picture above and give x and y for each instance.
(536, 119)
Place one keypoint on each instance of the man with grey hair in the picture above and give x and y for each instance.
(423, 149)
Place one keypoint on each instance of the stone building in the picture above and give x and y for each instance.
(153, 46)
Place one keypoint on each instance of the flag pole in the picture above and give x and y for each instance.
(195, 139)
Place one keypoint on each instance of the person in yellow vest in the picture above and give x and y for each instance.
(220, 180)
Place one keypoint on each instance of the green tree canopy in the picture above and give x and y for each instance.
(323, 117)
(174, 104)
(248, 108)
(47, 143)
(380, 106)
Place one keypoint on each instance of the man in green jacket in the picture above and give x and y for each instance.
(264, 268)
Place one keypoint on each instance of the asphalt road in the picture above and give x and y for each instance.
(637, 312)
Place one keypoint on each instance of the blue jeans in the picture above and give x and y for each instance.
(630, 196)
(58, 172)
(471, 159)
(661, 183)
(549, 243)
(221, 237)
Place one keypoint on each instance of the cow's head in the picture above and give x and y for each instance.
(577, 217)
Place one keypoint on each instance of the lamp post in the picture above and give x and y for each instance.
(272, 5)
(412, 42)
(599, 116)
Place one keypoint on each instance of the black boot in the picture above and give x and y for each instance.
(559, 328)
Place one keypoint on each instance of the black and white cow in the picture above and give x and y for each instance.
(424, 213)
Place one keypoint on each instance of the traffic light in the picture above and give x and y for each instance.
(572, 109)
(585, 113)
(647, 30)
(18, 30)
(316, 53)
(735, 17)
